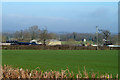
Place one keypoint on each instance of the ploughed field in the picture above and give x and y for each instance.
(102, 61)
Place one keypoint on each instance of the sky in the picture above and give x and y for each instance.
(81, 17)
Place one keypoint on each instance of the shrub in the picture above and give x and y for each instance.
(56, 47)
(19, 73)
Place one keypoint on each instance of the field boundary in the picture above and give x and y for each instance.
(57, 47)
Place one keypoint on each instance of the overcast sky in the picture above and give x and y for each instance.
(81, 17)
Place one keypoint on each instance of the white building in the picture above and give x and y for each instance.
(35, 41)
(5, 44)
(113, 45)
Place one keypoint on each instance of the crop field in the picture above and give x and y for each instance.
(102, 61)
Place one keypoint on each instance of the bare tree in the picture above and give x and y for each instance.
(106, 36)
(26, 35)
(44, 36)
(34, 31)
(17, 35)
(53, 35)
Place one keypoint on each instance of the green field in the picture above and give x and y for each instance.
(103, 61)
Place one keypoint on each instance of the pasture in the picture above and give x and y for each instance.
(102, 61)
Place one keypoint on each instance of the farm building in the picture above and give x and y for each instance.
(5, 44)
(54, 42)
(35, 41)
(49, 42)
(84, 40)
(113, 45)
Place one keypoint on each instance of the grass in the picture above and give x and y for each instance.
(103, 61)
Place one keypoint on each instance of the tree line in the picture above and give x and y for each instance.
(34, 32)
